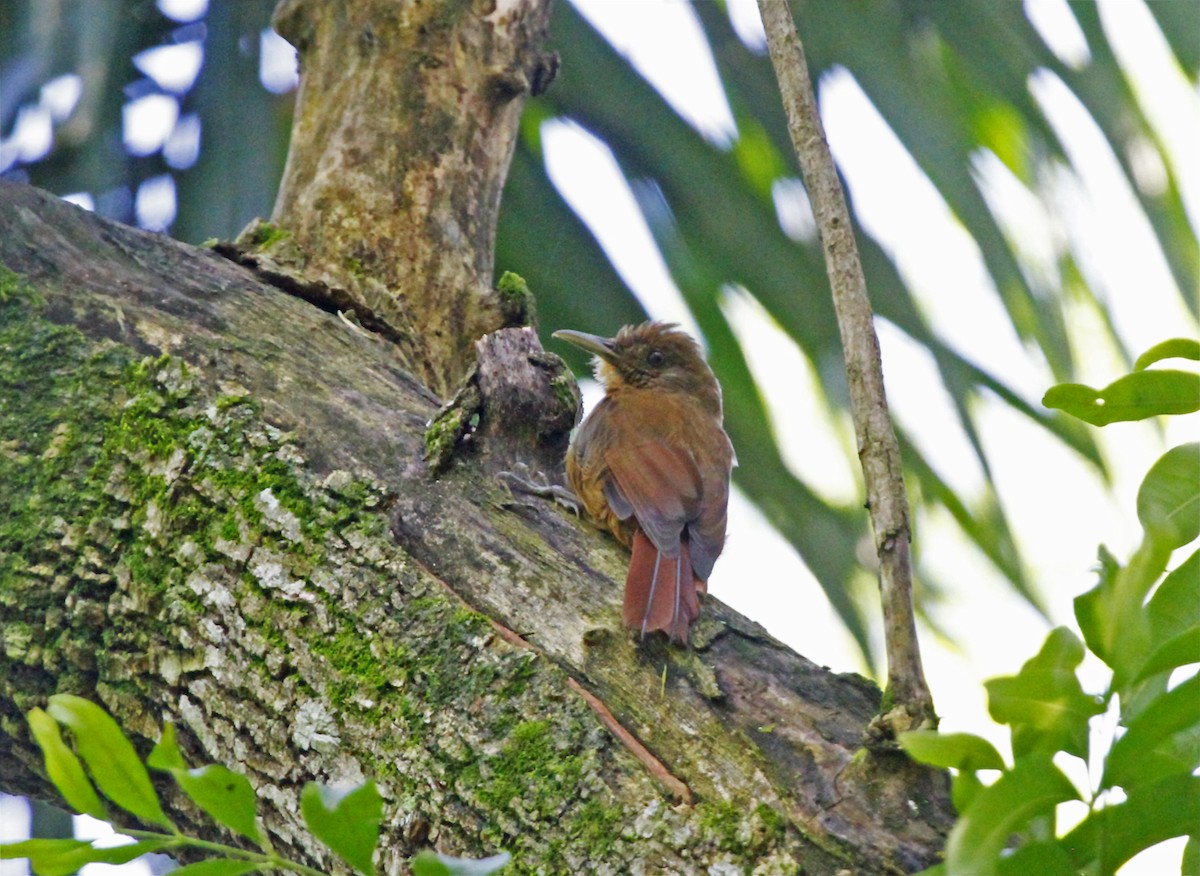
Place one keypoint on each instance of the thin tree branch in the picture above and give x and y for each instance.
(878, 450)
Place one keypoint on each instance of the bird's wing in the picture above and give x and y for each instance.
(706, 533)
(659, 483)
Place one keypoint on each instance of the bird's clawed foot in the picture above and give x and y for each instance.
(535, 483)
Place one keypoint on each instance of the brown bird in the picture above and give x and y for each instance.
(651, 464)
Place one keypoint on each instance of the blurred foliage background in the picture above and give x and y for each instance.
(952, 79)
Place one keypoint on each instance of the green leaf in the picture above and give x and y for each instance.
(110, 757)
(346, 820)
(165, 755)
(1175, 606)
(217, 867)
(1168, 502)
(1152, 813)
(1044, 703)
(60, 857)
(225, 795)
(1191, 857)
(1163, 740)
(435, 864)
(1136, 396)
(49, 857)
(1045, 858)
(962, 751)
(964, 788)
(1112, 617)
(1175, 348)
(64, 768)
(1032, 788)
(1179, 651)
(126, 853)
(1091, 612)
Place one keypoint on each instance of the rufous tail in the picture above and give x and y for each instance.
(661, 592)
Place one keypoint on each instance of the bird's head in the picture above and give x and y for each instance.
(652, 356)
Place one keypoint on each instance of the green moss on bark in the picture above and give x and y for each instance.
(130, 490)
(517, 302)
(166, 550)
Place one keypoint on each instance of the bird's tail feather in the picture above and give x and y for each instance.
(661, 592)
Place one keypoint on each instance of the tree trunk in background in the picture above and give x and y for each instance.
(405, 126)
(216, 509)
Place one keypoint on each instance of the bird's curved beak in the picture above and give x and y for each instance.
(594, 344)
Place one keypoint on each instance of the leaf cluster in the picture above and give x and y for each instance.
(1143, 622)
(103, 762)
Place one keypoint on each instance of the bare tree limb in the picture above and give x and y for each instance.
(878, 450)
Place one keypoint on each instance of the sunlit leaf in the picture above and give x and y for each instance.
(1044, 703)
(61, 857)
(1168, 502)
(1043, 858)
(1173, 615)
(1032, 788)
(166, 755)
(1175, 605)
(1151, 814)
(1136, 396)
(1173, 653)
(109, 756)
(436, 864)
(63, 767)
(964, 788)
(1175, 348)
(1163, 740)
(1111, 615)
(962, 751)
(1191, 857)
(50, 857)
(1091, 608)
(217, 867)
(346, 820)
(225, 795)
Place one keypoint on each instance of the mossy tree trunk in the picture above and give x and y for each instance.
(216, 508)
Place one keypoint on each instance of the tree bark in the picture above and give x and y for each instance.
(198, 475)
(405, 126)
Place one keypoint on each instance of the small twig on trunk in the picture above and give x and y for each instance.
(911, 705)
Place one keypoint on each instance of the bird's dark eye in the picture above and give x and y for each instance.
(655, 359)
